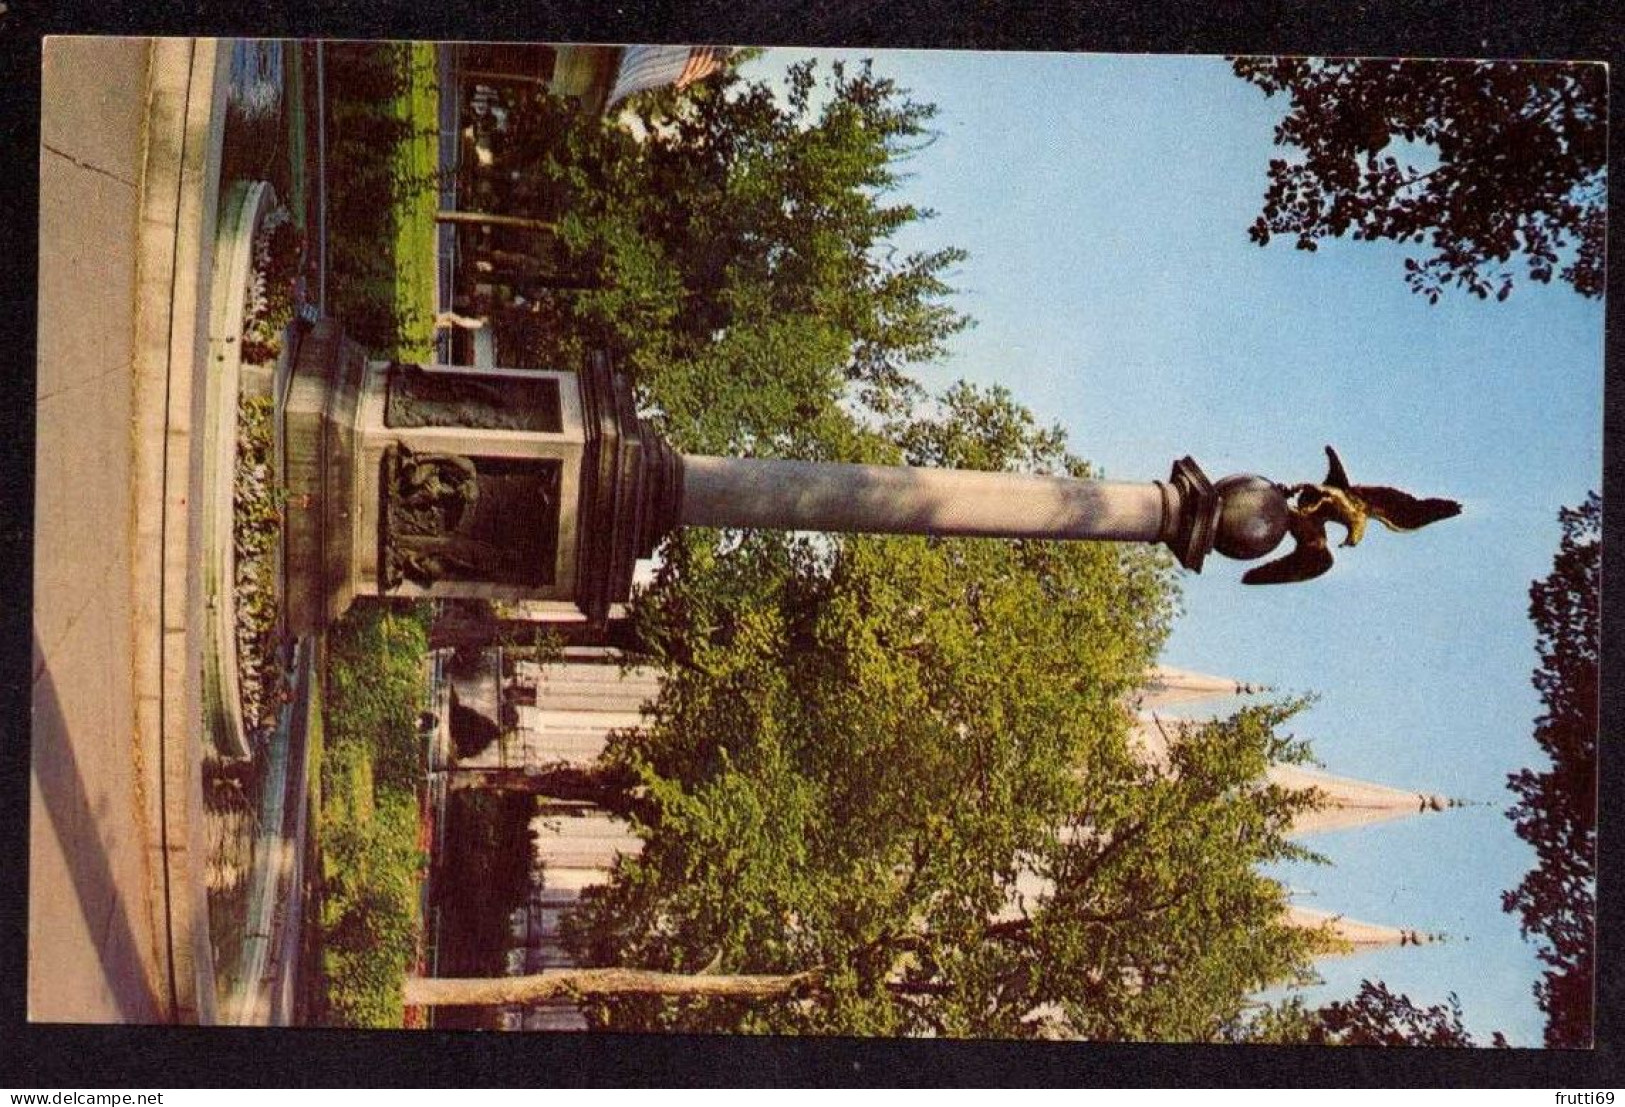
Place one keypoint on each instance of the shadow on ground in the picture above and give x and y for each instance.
(74, 819)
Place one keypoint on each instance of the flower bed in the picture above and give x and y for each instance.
(256, 527)
(272, 294)
(246, 686)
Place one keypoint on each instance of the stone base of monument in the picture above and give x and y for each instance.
(318, 450)
(430, 481)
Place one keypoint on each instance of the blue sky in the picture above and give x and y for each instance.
(1104, 201)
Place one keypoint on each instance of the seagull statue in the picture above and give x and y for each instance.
(1335, 500)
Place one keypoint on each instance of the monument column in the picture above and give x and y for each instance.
(803, 495)
(1240, 516)
(442, 481)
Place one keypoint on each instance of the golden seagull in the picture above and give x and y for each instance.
(1337, 501)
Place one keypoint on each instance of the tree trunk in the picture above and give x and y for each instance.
(495, 77)
(542, 282)
(522, 266)
(491, 219)
(560, 781)
(478, 631)
(577, 983)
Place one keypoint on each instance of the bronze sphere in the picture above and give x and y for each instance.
(1252, 517)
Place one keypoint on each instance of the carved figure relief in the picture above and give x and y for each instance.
(447, 518)
(419, 398)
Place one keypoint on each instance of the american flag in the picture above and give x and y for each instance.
(646, 67)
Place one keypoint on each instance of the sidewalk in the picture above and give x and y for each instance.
(118, 921)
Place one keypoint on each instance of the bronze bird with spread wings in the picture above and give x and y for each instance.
(1335, 500)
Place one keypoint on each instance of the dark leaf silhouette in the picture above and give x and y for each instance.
(1556, 811)
(1374, 1017)
(1484, 161)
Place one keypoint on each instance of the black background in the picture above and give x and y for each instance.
(58, 1057)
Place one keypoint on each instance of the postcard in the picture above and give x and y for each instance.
(899, 543)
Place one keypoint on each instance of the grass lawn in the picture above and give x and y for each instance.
(383, 110)
(417, 160)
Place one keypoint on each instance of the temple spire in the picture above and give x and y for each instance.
(1167, 686)
(1355, 936)
(1350, 803)
(1347, 802)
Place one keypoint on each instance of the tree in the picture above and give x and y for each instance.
(905, 764)
(775, 209)
(1556, 811)
(742, 257)
(1481, 160)
(1374, 1017)
(497, 991)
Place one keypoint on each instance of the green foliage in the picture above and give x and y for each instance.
(906, 763)
(1556, 811)
(375, 687)
(258, 502)
(278, 251)
(970, 428)
(371, 762)
(1482, 160)
(369, 911)
(1141, 939)
(414, 184)
(739, 259)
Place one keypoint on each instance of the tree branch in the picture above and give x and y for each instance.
(581, 983)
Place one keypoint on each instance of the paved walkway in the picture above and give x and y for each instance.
(118, 926)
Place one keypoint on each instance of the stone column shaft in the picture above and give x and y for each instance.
(800, 495)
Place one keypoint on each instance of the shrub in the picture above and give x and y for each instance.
(370, 862)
